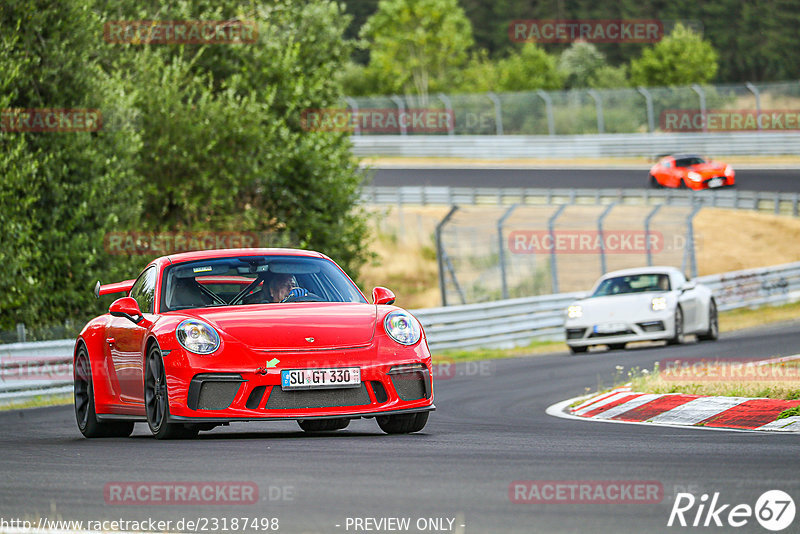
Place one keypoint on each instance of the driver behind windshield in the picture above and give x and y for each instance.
(282, 287)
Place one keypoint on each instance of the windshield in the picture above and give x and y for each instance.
(254, 280)
(689, 161)
(636, 283)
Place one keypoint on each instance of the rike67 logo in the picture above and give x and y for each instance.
(774, 510)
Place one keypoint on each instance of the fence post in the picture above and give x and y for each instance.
(498, 112)
(647, 233)
(448, 106)
(702, 94)
(354, 106)
(600, 220)
(551, 222)
(22, 333)
(651, 122)
(501, 248)
(548, 102)
(440, 252)
(688, 254)
(401, 108)
(753, 89)
(598, 102)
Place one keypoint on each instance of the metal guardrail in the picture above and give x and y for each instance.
(576, 146)
(24, 367)
(773, 202)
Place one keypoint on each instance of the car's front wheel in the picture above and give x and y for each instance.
(577, 350)
(678, 335)
(712, 334)
(402, 423)
(654, 183)
(85, 414)
(323, 425)
(616, 346)
(156, 400)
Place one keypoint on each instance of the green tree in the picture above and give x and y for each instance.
(682, 58)
(530, 68)
(418, 46)
(583, 65)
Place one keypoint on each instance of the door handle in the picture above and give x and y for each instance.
(110, 341)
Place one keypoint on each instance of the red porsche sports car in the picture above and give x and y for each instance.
(206, 338)
(692, 171)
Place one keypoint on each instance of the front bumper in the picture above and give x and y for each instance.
(222, 388)
(656, 328)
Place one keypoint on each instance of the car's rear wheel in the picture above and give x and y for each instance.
(577, 350)
(616, 346)
(402, 423)
(323, 425)
(712, 334)
(654, 183)
(677, 338)
(85, 414)
(156, 400)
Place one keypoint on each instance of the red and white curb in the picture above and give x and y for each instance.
(622, 405)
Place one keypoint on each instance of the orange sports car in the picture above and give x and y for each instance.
(692, 171)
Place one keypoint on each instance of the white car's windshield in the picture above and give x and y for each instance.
(635, 283)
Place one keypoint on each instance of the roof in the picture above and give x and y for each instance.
(664, 269)
(225, 252)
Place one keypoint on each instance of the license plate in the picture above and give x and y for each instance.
(343, 377)
(715, 182)
(610, 328)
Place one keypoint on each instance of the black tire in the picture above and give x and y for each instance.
(616, 346)
(156, 400)
(402, 423)
(654, 183)
(85, 414)
(577, 350)
(677, 339)
(712, 334)
(323, 425)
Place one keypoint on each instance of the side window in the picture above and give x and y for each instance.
(144, 290)
(667, 164)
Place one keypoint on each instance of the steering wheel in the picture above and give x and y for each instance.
(299, 294)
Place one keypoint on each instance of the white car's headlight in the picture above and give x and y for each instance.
(402, 327)
(197, 336)
(694, 176)
(575, 311)
(658, 303)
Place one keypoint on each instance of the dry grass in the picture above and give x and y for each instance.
(729, 240)
(656, 383)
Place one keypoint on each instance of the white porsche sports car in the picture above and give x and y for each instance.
(647, 304)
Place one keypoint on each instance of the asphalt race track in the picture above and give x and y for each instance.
(782, 180)
(490, 429)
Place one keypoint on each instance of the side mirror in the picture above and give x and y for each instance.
(126, 307)
(688, 285)
(381, 295)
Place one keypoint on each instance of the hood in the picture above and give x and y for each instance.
(286, 326)
(708, 169)
(619, 307)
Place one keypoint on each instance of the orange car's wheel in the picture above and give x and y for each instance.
(654, 184)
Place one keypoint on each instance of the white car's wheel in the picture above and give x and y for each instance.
(677, 338)
(712, 334)
(577, 350)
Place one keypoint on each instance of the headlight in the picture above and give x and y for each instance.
(659, 303)
(402, 327)
(575, 311)
(196, 336)
(694, 176)
(728, 170)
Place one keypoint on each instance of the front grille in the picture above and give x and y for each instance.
(409, 386)
(317, 398)
(255, 397)
(213, 391)
(653, 326)
(380, 392)
(575, 333)
(611, 334)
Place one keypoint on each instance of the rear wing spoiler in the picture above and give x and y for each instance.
(117, 287)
